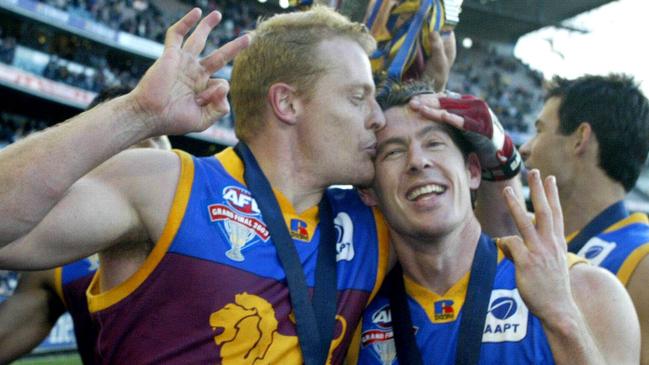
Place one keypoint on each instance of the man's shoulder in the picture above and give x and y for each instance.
(591, 279)
(140, 163)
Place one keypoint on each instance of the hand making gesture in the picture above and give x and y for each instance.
(177, 94)
(540, 256)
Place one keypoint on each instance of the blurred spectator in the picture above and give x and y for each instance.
(15, 127)
(144, 19)
(512, 89)
(7, 49)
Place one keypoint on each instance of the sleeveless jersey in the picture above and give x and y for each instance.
(617, 247)
(213, 289)
(71, 283)
(512, 335)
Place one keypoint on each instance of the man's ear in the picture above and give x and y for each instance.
(282, 98)
(368, 196)
(475, 170)
(583, 138)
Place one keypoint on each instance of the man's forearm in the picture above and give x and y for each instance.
(571, 340)
(37, 171)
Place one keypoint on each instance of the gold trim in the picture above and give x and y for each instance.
(631, 263)
(383, 238)
(58, 283)
(97, 300)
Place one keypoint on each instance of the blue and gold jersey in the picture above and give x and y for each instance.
(213, 289)
(512, 335)
(618, 242)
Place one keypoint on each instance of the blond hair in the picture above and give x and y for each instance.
(283, 49)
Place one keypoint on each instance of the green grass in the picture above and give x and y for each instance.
(64, 359)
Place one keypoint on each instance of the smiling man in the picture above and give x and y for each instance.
(469, 298)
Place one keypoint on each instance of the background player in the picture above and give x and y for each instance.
(593, 135)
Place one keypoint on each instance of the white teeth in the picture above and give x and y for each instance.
(426, 189)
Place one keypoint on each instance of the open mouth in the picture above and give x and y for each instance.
(425, 191)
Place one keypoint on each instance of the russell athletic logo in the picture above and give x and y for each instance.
(507, 317)
(241, 220)
(444, 310)
(299, 230)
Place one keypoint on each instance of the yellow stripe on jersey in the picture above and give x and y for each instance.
(354, 345)
(573, 260)
(427, 298)
(98, 300)
(231, 163)
(383, 236)
(234, 166)
(631, 263)
(58, 283)
(633, 218)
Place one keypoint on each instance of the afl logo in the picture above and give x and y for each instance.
(240, 200)
(383, 317)
(503, 308)
(593, 252)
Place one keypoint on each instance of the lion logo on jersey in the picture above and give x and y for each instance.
(250, 334)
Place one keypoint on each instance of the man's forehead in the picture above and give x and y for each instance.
(404, 122)
(345, 54)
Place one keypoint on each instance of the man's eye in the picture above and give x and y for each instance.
(392, 153)
(433, 144)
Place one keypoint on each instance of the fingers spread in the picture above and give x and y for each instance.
(176, 33)
(552, 193)
(225, 54)
(522, 221)
(430, 112)
(430, 100)
(196, 41)
(540, 202)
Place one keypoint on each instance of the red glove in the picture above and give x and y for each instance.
(499, 158)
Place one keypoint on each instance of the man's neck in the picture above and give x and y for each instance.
(582, 201)
(437, 263)
(289, 172)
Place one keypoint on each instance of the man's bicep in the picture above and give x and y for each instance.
(637, 288)
(91, 217)
(609, 313)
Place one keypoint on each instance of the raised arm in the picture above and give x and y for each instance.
(176, 95)
(126, 199)
(28, 315)
(573, 304)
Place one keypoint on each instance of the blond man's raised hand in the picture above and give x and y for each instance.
(178, 94)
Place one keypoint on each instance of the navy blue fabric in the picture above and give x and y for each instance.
(609, 216)
(314, 322)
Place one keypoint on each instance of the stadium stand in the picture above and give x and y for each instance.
(512, 89)
(56, 54)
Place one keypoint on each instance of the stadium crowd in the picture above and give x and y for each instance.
(447, 178)
(512, 89)
(146, 19)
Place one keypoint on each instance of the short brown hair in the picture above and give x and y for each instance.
(283, 49)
